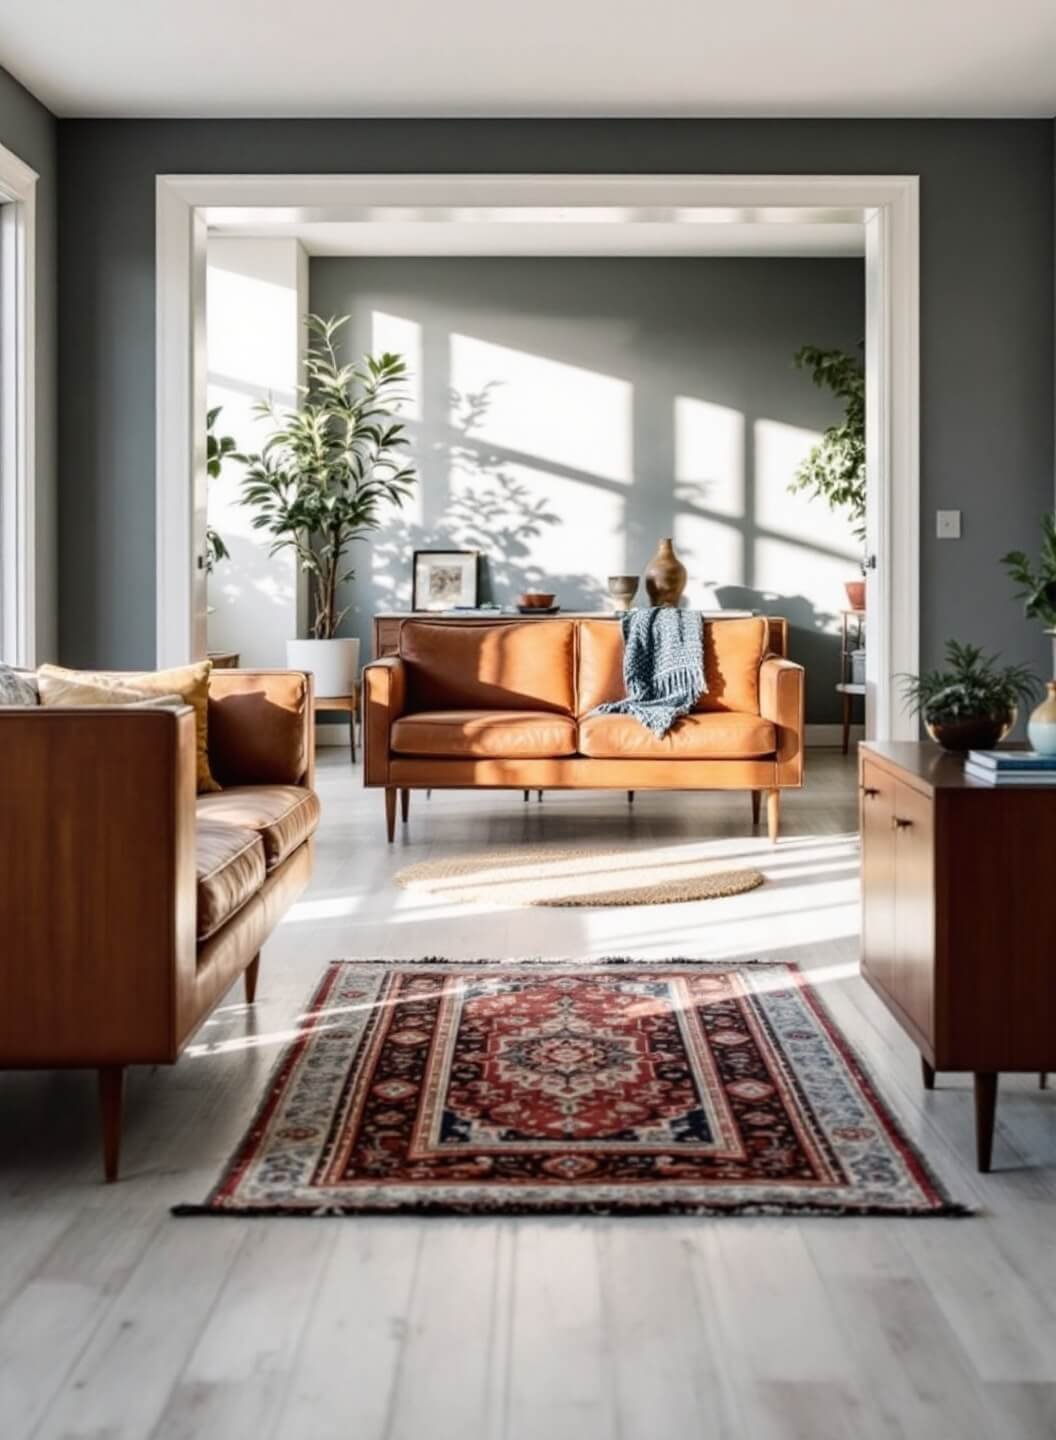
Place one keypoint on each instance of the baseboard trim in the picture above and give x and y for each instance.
(828, 737)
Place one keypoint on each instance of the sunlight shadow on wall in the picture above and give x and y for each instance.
(709, 494)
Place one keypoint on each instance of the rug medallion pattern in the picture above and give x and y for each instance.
(604, 1087)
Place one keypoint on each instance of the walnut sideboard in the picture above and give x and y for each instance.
(958, 922)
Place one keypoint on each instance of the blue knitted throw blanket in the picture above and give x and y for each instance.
(663, 666)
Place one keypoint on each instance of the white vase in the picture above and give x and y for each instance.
(334, 664)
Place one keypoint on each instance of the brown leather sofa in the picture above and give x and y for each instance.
(128, 903)
(508, 706)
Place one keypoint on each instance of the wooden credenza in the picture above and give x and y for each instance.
(958, 921)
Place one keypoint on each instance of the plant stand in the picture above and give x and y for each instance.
(852, 637)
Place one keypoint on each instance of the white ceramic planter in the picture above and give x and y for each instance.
(334, 663)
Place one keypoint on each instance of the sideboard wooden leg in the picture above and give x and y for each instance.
(250, 978)
(773, 814)
(405, 805)
(111, 1104)
(927, 1073)
(390, 811)
(1043, 1080)
(757, 803)
(985, 1111)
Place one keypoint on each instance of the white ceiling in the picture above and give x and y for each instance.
(546, 58)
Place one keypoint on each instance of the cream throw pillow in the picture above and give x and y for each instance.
(189, 682)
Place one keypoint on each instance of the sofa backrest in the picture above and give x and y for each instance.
(527, 666)
(733, 652)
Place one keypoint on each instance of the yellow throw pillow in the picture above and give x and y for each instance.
(189, 682)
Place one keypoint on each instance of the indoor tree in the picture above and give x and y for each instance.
(217, 449)
(322, 477)
(834, 470)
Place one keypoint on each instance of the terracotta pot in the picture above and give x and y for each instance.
(855, 593)
(980, 732)
(665, 576)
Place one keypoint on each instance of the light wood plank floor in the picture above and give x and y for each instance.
(118, 1321)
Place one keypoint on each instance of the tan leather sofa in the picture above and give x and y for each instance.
(128, 903)
(508, 706)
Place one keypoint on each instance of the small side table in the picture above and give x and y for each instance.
(346, 703)
(852, 637)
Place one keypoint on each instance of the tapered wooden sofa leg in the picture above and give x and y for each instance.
(111, 1105)
(527, 796)
(757, 797)
(405, 805)
(250, 978)
(390, 812)
(630, 797)
(927, 1073)
(773, 814)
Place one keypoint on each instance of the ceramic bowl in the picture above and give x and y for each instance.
(535, 600)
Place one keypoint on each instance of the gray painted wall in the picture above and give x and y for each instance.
(685, 355)
(28, 129)
(986, 319)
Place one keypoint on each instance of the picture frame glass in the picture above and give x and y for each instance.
(444, 579)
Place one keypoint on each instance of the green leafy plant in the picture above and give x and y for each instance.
(323, 476)
(834, 471)
(1037, 587)
(217, 450)
(972, 687)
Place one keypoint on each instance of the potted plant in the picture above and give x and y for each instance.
(972, 704)
(320, 482)
(834, 471)
(1038, 593)
(217, 450)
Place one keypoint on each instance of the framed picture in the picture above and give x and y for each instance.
(443, 579)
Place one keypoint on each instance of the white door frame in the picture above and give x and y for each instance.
(18, 603)
(889, 206)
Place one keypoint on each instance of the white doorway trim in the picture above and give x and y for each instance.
(18, 193)
(888, 206)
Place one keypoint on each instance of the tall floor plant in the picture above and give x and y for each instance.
(325, 474)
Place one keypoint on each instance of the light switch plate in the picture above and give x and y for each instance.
(948, 524)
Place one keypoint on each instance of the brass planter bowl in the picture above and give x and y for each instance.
(977, 732)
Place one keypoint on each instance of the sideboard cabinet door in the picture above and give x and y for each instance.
(877, 807)
(914, 978)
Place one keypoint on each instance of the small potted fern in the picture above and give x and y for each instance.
(972, 703)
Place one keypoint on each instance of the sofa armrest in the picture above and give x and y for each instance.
(97, 885)
(384, 699)
(261, 727)
(781, 691)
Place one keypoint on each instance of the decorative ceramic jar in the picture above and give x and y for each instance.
(623, 589)
(976, 732)
(665, 576)
(1041, 727)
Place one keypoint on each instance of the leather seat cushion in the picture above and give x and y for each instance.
(282, 815)
(718, 735)
(230, 868)
(733, 652)
(519, 666)
(520, 734)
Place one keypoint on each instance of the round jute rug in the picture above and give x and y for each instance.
(535, 875)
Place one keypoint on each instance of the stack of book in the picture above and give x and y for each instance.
(1011, 767)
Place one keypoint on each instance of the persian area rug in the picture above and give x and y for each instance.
(537, 875)
(604, 1088)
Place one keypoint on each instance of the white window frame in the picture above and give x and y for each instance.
(18, 194)
(888, 205)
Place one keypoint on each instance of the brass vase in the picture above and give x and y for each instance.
(665, 576)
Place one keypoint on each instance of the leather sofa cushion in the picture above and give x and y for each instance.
(282, 815)
(259, 727)
(489, 667)
(733, 652)
(717, 735)
(230, 867)
(507, 733)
